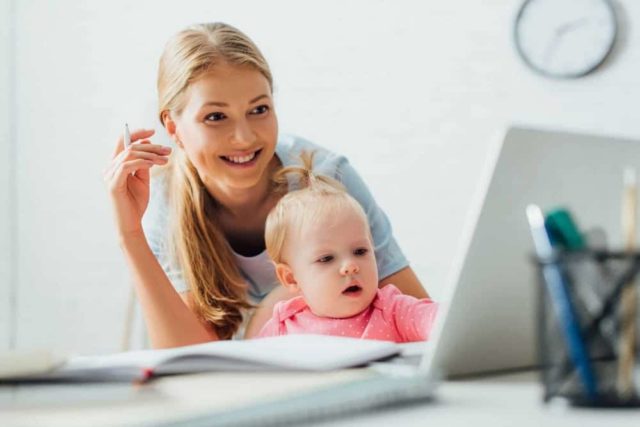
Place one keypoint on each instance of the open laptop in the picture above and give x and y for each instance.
(486, 319)
(490, 323)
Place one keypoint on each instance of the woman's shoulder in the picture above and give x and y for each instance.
(290, 147)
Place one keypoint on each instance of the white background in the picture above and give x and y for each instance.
(6, 184)
(414, 93)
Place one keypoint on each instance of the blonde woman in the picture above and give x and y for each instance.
(199, 262)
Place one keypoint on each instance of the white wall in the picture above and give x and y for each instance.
(413, 92)
(6, 188)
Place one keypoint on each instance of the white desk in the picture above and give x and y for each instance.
(509, 400)
(496, 401)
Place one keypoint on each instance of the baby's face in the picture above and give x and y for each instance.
(334, 265)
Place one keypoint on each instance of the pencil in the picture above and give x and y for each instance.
(628, 304)
(127, 136)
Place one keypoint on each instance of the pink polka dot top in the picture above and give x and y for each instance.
(392, 316)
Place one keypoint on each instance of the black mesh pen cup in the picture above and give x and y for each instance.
(581, 330)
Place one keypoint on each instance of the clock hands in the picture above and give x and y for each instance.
(559, 33)
(569, 26)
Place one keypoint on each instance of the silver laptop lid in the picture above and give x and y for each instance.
(487, 317)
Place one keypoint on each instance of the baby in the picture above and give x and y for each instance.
(321, 245)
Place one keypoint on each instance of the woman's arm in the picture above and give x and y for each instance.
(169, 318)
(407, 281)
(169, 321)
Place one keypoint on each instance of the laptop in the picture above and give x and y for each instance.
(486, 319)
(490, 325)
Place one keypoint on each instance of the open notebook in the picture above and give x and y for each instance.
(290, 352)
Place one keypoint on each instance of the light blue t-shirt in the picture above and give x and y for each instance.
(258, 270)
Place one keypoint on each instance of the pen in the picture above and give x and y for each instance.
(127, 140)
(127, 136)
(561, 302)
(628, 304)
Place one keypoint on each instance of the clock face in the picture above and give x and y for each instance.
(565, 38)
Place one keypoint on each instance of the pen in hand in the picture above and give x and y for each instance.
(127, 140)
(127, 136)
(144, 155)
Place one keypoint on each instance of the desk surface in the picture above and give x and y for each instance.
(506, 400)
(492, 401)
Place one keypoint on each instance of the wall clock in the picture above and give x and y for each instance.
(565, 38)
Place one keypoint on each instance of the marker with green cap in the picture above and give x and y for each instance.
(563, 230)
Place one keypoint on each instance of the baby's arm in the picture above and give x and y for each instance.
(413, 317)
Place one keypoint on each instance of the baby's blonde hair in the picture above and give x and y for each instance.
(317, 197)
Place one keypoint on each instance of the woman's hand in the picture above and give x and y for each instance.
(127, 178)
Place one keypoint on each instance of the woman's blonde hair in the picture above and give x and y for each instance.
(317, 197)
(198, 244)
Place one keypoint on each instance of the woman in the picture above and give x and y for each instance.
(199, 263)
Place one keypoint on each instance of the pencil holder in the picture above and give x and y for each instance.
(587, 348)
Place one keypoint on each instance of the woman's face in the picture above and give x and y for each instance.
(228, 128)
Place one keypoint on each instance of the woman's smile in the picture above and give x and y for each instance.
(242, 160)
